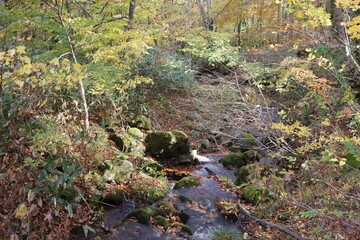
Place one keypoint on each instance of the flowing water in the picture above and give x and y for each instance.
(203, 212)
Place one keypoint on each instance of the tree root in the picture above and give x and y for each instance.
(268, 224)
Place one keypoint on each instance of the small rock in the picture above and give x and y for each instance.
(205, 144)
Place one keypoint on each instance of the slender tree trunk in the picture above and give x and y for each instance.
(132, 7)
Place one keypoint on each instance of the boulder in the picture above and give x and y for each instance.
(167, 144)
(116, 198)
(143, 215)
(129, 142)
(118, 173)
(188, 181)
(135, 132)
(141, 122)
(234, 159)
(148, 189)
(253, 171)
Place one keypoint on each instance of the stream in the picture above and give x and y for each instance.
(203, 211)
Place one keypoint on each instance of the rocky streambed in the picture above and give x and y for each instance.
(194, 208)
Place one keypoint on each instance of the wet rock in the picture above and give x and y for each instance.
(119, 173)
(143, 214)
(183, 160)
(167, 144)
(187, 181)
(234, 159)
(116, 198)
(141, 122)
(183, 227)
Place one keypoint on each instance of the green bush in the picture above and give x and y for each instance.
(167, 69)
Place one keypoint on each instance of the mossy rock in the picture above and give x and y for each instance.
(185, 199)
(126, 142)
(143, 214)
(251, 156)
(162, 221)
(252, 194)
(167, 144)
(183, 227)
(116, 198)
(187, 181)
(135, 132)
(234, 159)
(167, 207)
(246, 141)
(253, 171)
(141, 122)
(97, 178)
(119, 173)
(184, 217)
(148, 189)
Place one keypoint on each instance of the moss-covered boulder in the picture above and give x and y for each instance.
(246, 140)
(234, 159)
(162, 221)
(253, 171)
(141, 122)
(188, 181)
(252, 194)
(148, 189)
(116, 198)
(135, 132)
(182, 227)
(119, 173)
(127, 142)
(251, 156)
(167, 144)
(143, 215)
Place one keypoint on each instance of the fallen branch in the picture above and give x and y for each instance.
(268, 224)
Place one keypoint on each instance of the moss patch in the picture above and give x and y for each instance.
(234, 159)
(148, 189)
(187, 181)
(183, 227)
(162, 221)
(116, 198)
(143, 214)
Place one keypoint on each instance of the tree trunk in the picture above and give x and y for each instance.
(132, 7)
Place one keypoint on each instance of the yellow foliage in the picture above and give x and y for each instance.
(293, 129)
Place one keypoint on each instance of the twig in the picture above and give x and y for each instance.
(268, 224)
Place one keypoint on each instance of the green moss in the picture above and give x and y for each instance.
(135, 132)
(253, 171)
(167, 207)
(183, 227)
(147, 189)
(141, 122)
(234, 159)
(226, 182)
(248, 139)
(167, 144)
(116, 198)
(251, 156)
(252, 194)
(162, 221)
(185, 199)
(187, 181)
(128, 143)
(143, 214)
(241, 175)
